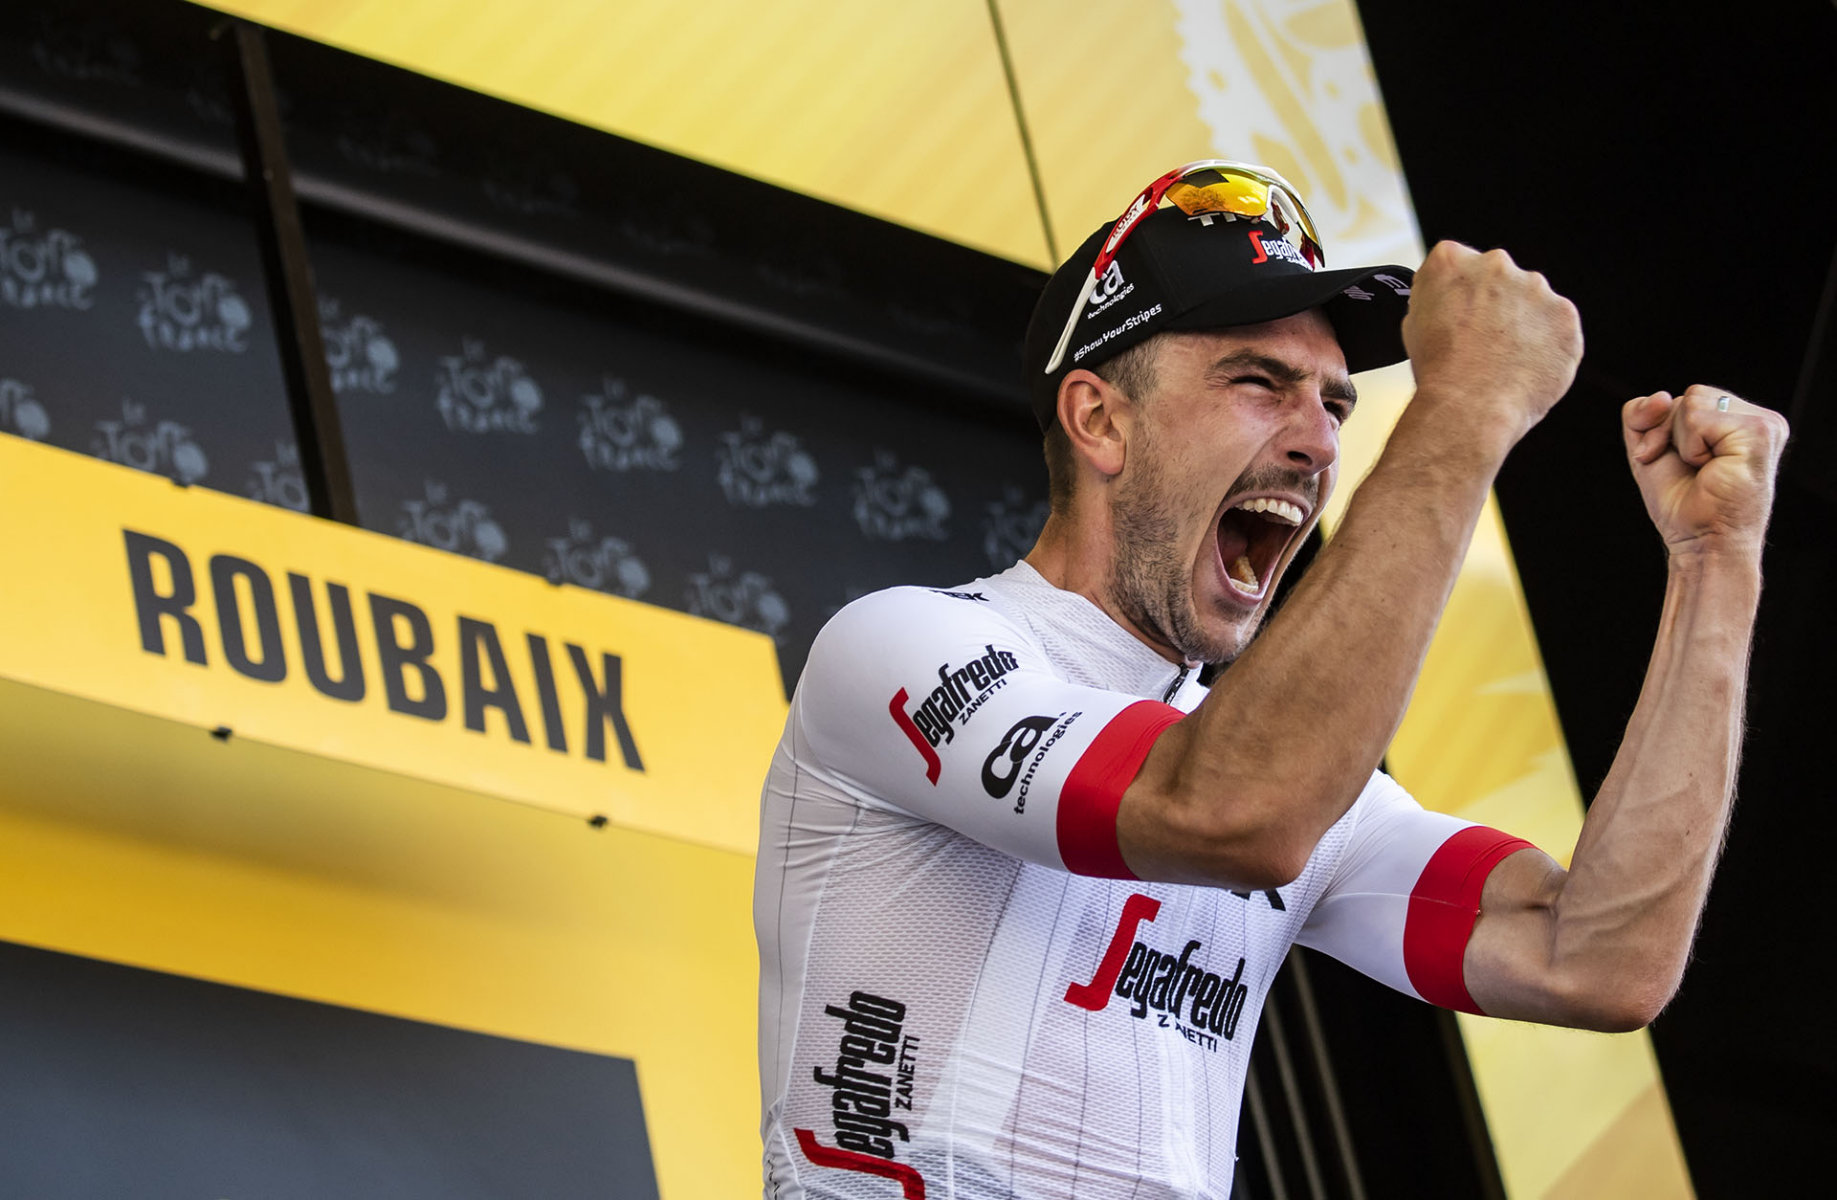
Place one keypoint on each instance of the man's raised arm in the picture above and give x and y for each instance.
(1603, 945)
(1240, 792)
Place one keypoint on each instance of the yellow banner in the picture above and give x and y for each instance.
(259, 623)
(899, 110)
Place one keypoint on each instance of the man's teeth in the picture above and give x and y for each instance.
(1243, 576)
(1282, 510)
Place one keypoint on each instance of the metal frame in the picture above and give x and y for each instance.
(317, 429)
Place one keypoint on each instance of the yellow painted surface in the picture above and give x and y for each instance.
(1106, 103)
(898, 110)
(144, 841)
(704, 701)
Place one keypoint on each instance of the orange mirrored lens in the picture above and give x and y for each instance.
(1224, 193)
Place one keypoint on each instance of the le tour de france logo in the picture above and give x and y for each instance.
(1010, 526)
(744, 598)
(150, 443)
(359, 353)
(894, 503)
(625, 431)
(461, 526)
(86, 50)
(21, 412)
(184, 309)
(605, 564)
(757, 467)
(279, 480)
(481, 392)
(44, 268)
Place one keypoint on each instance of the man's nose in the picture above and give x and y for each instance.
(1310, 438)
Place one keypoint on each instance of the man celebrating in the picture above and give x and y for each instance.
(1023, 883)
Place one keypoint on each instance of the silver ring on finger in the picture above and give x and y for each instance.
(1722, 403)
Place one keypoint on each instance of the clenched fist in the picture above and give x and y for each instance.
(1705, 469)
(1489, 341)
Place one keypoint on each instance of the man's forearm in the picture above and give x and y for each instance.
(1628, 910)
(1293, 730)
(1604, 945)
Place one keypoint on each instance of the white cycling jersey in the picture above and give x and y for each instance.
(963, 990)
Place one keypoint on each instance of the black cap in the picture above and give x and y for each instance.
(1206, 272)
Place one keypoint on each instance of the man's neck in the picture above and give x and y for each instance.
(1074, 556)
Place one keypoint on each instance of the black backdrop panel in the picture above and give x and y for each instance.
(491, 413)
(123, 1082)
(134, 324)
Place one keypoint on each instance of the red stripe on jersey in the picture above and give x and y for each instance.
(1094, 790)
(911, 1183)
(1444, 904)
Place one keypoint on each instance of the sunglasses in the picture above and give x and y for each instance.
(1211, 185)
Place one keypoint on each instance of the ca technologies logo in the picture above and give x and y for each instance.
(960, 692)
(1164, 983)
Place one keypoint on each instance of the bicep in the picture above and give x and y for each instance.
(1508, 959)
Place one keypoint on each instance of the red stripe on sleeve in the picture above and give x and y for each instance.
(1094, 790)
(1444, 904)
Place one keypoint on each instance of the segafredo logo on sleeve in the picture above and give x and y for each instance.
(959, 693)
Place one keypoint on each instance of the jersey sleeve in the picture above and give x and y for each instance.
(937, 706)
(1405, 894)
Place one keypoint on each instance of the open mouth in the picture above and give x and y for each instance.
(1252, 536)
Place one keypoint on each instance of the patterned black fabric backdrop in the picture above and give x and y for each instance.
(490, 409)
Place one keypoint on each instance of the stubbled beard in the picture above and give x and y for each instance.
(1150, 583)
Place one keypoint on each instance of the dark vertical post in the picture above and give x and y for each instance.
(1324, 1078)
(316, 427)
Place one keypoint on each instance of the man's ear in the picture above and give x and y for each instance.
(1097, 419)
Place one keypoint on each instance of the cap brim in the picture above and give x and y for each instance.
(1366, 306)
